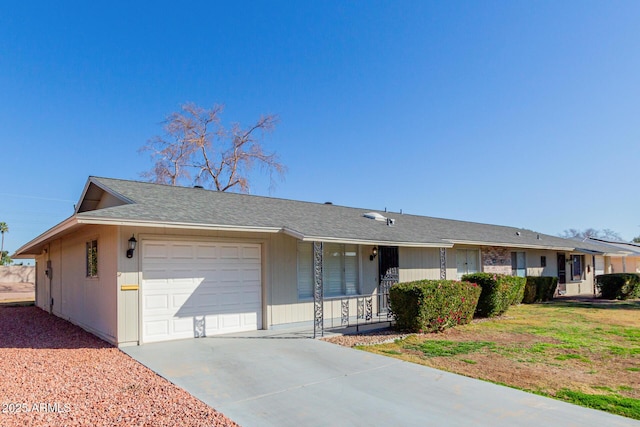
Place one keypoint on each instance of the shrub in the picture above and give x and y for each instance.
(539, 288)
(517, 288)
(433, 305)
(618, 285)
(499, 291)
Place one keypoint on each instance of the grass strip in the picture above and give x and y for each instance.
(624, 406)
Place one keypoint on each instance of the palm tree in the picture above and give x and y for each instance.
(4, 228)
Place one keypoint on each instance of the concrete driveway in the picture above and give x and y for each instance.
(267, 379)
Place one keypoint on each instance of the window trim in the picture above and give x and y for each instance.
(91, 270)
(305, 295)
(581, 259)
(299, 254)
(516, 267)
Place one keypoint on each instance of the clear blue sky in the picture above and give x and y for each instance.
(517, 113)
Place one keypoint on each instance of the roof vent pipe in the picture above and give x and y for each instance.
(328, 203)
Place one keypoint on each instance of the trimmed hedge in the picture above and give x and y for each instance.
(433, 305)
(618, 285)
(499, 291)
(539, 289)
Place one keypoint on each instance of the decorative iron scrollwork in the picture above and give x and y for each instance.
(389, 312)
(199, 326)
(443, 263)
(318, 296)
(390, 278)
(368, 314)
(360, 308)
(344, 312)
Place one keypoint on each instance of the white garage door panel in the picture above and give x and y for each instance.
(186, 284)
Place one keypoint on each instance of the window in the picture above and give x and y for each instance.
(518, 264)
(339, 273)
(92, 258)
(466, 261)
(543, 261)
(577, 267)
(305, 270)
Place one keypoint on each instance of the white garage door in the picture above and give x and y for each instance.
(191, 289)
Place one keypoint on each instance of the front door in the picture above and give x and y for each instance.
(388, 264)
(562, 273)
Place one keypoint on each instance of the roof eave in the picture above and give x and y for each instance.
(24, 250)
(355, 241)
(95, 181)
(170, 224)
(510, 245)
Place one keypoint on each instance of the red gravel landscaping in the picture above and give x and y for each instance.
(56, 374)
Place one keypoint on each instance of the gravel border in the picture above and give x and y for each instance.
(378, 336)
(56, 374)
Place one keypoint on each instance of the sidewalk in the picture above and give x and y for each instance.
(20, 292)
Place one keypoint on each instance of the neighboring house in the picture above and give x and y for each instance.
(209, 262)
(625, 257)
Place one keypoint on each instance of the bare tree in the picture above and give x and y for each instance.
(197, 149)
(605, 234)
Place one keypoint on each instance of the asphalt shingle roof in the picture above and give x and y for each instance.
(181, 205)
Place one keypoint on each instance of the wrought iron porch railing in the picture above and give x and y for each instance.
(357, 310)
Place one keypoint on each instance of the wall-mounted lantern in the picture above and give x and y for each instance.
(132, 246)
(374, 253)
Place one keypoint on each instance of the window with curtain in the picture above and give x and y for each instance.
(577, 267)
(340, 270)
(518, 264)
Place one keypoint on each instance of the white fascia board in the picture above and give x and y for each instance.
(181, 225)
(301, 236)
(510, 245)
(293, 233)
(617, 254)
(83, 195)
(52, 232)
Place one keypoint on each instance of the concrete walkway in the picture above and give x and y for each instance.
(285, 379)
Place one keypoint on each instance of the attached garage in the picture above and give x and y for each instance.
(191, 289)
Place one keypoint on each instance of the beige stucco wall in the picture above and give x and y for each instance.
(534, 263)
(585, 284)
(419, 264)
(42, 283)
(87, 302)
(285, 307)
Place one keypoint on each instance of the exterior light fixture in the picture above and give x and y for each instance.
(132, 246)
(374, 253)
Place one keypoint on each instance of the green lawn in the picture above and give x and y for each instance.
(587, 353)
